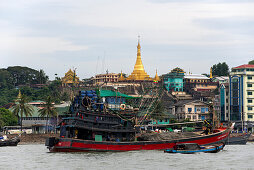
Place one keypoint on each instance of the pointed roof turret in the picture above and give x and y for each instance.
(156, 78)
(121, 78)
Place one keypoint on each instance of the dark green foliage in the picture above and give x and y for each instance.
(6, 80)
(26, 76)
(251, 62)
(7, 118)
(22, 78)
(220, 69)
(7, 95)
(55, 90)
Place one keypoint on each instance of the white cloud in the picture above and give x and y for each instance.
(161, 26)
(37, 45)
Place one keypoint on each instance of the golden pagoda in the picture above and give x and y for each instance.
(70, 78)
(139, 73)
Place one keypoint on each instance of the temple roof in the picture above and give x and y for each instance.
(69, 76)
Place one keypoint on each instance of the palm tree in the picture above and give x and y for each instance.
(22, 107)
(48, 110)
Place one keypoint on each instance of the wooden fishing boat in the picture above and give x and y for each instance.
(91, 127)
(9, 142)
(190, 148)
(238, 139)
(79, 145)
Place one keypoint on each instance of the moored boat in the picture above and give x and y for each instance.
(79, 145)
(238, 138)
(189, 148)
(91, 126)
(4, 141)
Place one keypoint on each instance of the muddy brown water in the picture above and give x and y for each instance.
(36, 156)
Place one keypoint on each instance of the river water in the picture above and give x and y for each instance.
(38, 157)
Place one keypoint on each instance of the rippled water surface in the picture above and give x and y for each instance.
(38, 157)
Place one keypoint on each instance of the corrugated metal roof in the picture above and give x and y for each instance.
(196, 76)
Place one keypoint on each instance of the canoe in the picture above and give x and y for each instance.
(189, 148)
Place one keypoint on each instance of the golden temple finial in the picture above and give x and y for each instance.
(211, 73)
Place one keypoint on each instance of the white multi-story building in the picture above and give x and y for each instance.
(241, 90)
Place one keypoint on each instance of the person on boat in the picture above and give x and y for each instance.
(208, 127)
(63, 130)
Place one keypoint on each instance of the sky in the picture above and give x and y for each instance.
(93, 36)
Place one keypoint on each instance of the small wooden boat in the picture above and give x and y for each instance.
(238, 139)
(9, 142)
(188, 148)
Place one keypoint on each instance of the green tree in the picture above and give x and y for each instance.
(7, 118)
(251, 62)
(22, 107)
(48, 110)
(220, 69)
(5, 79)
(41, 77)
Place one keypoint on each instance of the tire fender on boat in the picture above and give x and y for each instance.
(122, 106)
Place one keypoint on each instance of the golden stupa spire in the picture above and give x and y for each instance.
(121, 78)
(211, 73)
(139, 71)
(156, 78)
(18, 97)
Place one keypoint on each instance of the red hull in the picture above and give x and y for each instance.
(77, 145)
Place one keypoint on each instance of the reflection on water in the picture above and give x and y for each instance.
(38, 157)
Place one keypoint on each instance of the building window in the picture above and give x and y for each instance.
(249, 85)
(250, 116)
(249, 108)
(249, 77)
(202, 110)
(249, 93)
(194, 117)
(189, 110)
(249, 101)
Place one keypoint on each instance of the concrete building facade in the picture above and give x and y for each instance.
(241, 89)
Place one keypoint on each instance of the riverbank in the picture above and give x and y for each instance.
(33, 138)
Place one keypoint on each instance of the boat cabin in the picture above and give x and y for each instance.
(187, 146)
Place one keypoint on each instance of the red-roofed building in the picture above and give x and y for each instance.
(244, 66)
